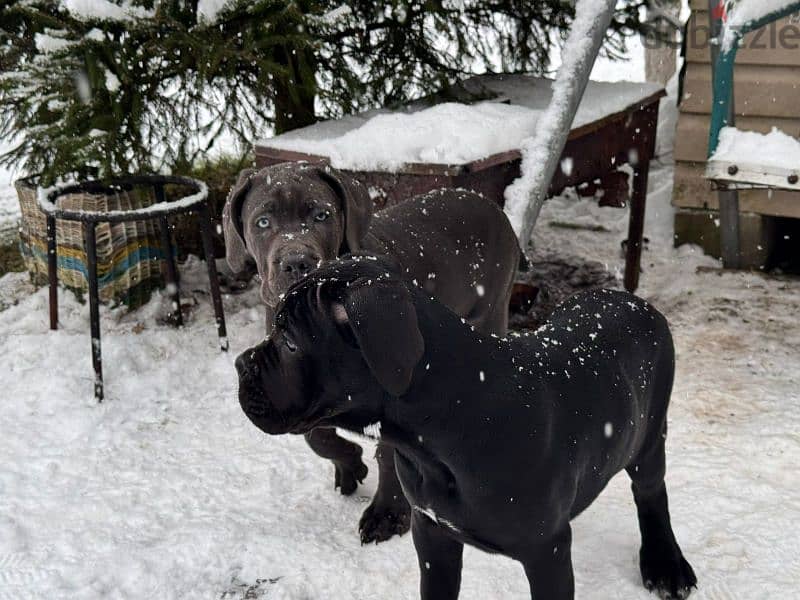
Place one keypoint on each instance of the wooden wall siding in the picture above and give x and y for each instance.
(760, 90)
(691, 138)
(756, 44)
(767, 95)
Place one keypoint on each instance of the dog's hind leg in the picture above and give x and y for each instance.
(389, 513)
(495, 321)
(345, 455)
(491, 316)
(549, 568)
(440, 559)
(663, 567)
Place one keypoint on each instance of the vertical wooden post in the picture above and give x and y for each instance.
(723, 114)
(541, 154)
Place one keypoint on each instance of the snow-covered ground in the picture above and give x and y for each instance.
(167, 491)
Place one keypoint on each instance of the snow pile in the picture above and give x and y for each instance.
(112, 82)
(104, 10)
(774, 149)
(449, 133)
(48, 44)
(334, 15)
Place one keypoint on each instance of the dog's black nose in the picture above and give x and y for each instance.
(298, 265)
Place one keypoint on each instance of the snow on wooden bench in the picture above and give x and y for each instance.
(453, 133)
(747, 160)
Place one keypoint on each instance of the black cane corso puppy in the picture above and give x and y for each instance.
(498, 443)
(289, 218)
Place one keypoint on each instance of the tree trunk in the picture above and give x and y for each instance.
(294, 95)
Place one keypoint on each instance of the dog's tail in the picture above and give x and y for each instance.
(524, 263)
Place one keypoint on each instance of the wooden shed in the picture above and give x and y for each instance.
(767, 95)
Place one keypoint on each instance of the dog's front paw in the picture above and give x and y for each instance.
(667, 573)
(347, 478)
(381, 521)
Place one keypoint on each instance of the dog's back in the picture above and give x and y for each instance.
(600, 369)
(609, 358)
(461, 249)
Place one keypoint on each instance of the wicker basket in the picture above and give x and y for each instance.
(128, 253)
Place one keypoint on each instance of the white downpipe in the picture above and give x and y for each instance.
(541, 153)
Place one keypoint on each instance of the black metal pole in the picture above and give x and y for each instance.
(172, 273)
(169, 260)
(213, 280)
(52, 270)
(633, 254)
(94, 308)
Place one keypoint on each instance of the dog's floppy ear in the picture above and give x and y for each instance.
(383, 320)
(236, 253)
(356, 205)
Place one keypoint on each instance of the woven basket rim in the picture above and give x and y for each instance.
(46, 197)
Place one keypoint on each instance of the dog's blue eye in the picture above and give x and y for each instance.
(322, 216)
(262, 223)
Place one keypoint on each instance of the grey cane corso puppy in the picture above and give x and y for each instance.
(498, 443)
(287, 219)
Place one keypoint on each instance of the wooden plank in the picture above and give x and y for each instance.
(691, 138)
(693, 190)
(760, 90)
(776, 45)
(729, 175)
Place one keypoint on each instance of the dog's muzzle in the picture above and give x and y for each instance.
(297, 265)
(251, 366)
